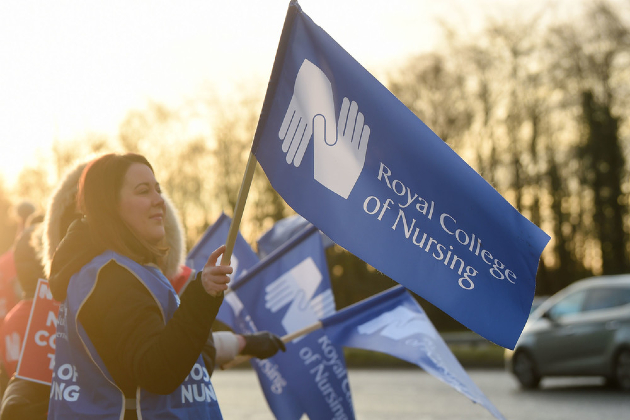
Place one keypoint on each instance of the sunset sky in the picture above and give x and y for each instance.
(73, 67)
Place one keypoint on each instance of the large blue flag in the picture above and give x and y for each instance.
(243, 258)
(382, 185)
(393, 322)
(286, 292)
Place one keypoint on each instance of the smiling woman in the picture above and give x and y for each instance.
(124, 207)
(141, 205)
(120, 321)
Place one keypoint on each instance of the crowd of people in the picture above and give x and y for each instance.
(129, 346)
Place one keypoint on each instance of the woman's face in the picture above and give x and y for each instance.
(141, 204)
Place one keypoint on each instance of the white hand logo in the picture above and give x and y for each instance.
(312, 95)
(339, 158)
(398, 324)
(339, 151)
(297, 288)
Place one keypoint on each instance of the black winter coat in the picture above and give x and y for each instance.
(125, 324)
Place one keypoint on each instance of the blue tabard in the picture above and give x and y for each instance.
(81, 385)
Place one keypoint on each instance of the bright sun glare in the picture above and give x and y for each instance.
(74, 67)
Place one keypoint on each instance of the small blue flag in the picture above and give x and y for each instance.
(243, 258)
(281, 232)
(353, 160)
(393, 322)
(286, 292)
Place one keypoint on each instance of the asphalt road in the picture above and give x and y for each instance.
(413, 394)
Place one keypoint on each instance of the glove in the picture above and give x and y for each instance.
(262, 345)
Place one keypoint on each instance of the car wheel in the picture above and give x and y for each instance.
(525, 370)
(622, 370)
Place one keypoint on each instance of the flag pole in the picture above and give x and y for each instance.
(299, 333)
(285, 339)
(251, 162)
(379, 297)
(239, 208)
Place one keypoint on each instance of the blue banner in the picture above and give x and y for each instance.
(284, 293)
(281, 232)
(353, 160)
(393, 322)
(243, 258)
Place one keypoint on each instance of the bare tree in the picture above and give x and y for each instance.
(234, 130)
(436, 93)
(591, 62)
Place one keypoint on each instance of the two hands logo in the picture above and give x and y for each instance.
(415, 331)
(398, 324)
(297, 288)
(339, 145)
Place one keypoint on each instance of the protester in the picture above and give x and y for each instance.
(62, 211)
(9, 289)
(126, 345)
(23, 399)
(8, 283)
(29, 270)
(28, 399)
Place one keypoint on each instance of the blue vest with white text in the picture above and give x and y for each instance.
(81, 385)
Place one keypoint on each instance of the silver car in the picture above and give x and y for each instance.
(583, 330)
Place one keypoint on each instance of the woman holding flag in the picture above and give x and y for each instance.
(127, 346)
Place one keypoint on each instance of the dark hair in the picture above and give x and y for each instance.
(98, 197)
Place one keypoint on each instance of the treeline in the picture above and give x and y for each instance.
(538, 106)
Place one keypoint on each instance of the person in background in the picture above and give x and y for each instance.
(9, 288)
(22, 399)
(28, 269)
(8, 283)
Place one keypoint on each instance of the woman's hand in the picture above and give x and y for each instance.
(215, 277)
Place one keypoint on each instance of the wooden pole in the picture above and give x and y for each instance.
(238, 209)
(264, 113)
(286, 339)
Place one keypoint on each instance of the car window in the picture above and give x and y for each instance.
(571, 304)
(624, 296)
(605, 298)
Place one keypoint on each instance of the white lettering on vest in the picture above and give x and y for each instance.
(58, 391)
(198, 392)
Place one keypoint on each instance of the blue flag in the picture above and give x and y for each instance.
(354, 161)
(393, 322)
(243, 258)
(287, 291)
(281, 232)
